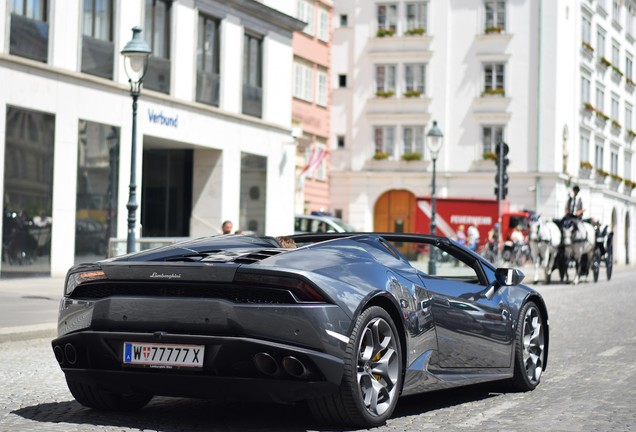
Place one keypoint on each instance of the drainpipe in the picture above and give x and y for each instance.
(537, 181)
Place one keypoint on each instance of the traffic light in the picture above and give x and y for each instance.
(501, 179)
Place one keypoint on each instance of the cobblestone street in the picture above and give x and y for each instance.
(589, 385)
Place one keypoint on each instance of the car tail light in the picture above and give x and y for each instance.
(75, 279)
(301, 290)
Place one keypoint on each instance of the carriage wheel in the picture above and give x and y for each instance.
(596, 264)
(609, 263)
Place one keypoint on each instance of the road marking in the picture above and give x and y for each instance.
(610, 352)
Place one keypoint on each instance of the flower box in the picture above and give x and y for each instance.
(494, 92)
(414, 156)
(385, 32)
(493, 30)
(419, 31)
(380, 155)
(385, 93)
(489, 156)
(604, 62)
(412, 93)
(588, 47)
(616, 124)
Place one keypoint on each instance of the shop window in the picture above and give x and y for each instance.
(28, 193)
(98, 48)
(30, 29)
(208, 61)
(97, 186)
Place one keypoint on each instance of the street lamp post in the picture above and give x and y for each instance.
(434, 141)
(136, 53)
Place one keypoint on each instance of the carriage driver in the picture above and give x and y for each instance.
(574, 206)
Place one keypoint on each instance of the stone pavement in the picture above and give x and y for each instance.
(28, 307)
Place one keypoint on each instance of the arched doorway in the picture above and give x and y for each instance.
(627, 232)
(394, 212)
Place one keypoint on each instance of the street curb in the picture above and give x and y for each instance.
(38, 331)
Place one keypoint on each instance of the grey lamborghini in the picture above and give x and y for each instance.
(347, 322)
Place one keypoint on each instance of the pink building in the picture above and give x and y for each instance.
(310, 106)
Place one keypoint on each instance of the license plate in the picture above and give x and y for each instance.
(165, 356)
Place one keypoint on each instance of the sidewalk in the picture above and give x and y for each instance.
(28, 307)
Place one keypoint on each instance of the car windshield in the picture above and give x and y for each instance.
(343, 224)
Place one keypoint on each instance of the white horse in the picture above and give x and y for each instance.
(578, 245)
(544, 241)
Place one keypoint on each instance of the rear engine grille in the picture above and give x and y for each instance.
(236, 294)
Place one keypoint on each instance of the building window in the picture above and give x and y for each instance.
(342, 80)
(414, 79)
(627, 166)
(628, 117)
(491, 136)
(586, 30)
(344, 20)
(585, 90)
(494, 79)
(252, 75)
(321, 87)
(157, 34)
(208, 60)
(629, 67)
(323, 24)
(598, 154)
(629, 22)
(30, 29)
(600, 98)
(416, 17)
(340, 141)
(615, 107)
(413, 137)
(495, 16)
(585, 147)
(614, 161)
(97, 38)
(600, 43)
(385, 80)
(384, 137)
(616, 11)
(616, 54)
(306, 14)
(303, 81)
(387, 17)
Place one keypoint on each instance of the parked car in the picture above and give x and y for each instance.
(341, 320)
(320, 223)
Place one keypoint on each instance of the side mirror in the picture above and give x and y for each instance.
(509, 276)
(504, 277)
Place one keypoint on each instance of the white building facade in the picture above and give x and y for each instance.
(213, 125)
(554, 80)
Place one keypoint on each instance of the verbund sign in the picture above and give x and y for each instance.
(158, 117)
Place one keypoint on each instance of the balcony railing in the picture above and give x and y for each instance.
(252, 100)
(158, 75)
(208, 88)
(97, 57)
(29, 38)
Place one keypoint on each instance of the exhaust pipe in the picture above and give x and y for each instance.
(70, 353)
(295, 367)
(59, 354)
(266, 364)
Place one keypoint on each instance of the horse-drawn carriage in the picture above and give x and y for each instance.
(571, 246)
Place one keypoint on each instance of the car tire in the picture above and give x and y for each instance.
(92, 396)
(372, 378)
(530, 349)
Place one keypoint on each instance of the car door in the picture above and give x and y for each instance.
(472, 331)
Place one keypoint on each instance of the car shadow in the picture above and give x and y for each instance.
(175, 414)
